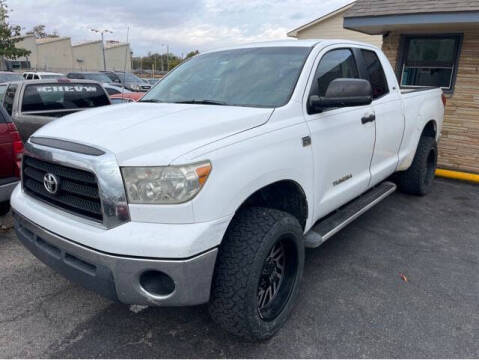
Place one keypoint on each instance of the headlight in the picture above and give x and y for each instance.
(135, 87)
(166, 184)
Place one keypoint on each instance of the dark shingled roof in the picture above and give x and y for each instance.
(400, 7)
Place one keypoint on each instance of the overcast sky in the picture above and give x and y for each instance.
(182, 24)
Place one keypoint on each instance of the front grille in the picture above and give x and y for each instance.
(77, 192)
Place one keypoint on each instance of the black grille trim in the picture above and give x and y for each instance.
(78, 189)
(67, 145)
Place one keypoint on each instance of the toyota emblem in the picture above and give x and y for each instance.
(51, 183)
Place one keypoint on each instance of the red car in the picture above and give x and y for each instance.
(11, 149)
(126, 97)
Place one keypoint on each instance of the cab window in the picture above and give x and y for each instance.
(336, 64)
(9, 98)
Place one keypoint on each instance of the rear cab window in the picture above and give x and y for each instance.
(57, 99)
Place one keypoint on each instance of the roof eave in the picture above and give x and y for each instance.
(375, 25)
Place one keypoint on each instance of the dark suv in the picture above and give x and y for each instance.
(128, 80)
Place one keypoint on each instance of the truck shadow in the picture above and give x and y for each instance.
(187, 332)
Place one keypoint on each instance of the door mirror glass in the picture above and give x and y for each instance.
(343, 93)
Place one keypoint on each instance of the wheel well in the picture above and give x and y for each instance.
(287, 196)
(430, 130)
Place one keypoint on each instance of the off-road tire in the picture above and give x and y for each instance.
(240, 264)
(4, 208)
(418, 179)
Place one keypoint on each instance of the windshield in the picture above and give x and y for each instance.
(257, 77)
(131, 78)
(4, 77)
(100, 77)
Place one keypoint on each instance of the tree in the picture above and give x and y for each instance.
(9, 36)
(159, 61)
(39, 32)
(192, 53)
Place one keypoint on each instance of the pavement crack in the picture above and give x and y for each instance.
(35, 308)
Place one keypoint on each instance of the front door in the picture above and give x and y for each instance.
(342, 144)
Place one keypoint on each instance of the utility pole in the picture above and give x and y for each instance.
(167, 57)
(102, 43)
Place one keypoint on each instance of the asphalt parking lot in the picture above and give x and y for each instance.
(354, 302)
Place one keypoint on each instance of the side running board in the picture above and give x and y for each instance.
(331, 224)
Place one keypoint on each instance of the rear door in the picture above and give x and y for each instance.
(342, 144)
(387, 107)
(6, 148)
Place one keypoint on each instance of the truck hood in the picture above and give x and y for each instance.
(148, 134)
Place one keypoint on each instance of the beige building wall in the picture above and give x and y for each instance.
(116, 56)
(29, 43)
(58, 55)
(459, 145)
(55, 54)
(330, 26)
(88, 56)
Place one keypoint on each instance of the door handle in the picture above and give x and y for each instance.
(368, 119)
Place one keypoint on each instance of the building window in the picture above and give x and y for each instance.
(18, 64)
(430, 61)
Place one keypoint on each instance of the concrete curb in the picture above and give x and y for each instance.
(458, 175)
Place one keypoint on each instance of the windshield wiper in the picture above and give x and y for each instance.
(201, 102)
(151, 101)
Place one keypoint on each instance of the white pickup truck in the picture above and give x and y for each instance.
(210, 188)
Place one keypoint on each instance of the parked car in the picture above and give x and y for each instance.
(34, 103)
(38, 75)
(114, 89)
(111, 87)
(211, 186)
(9, 76)
(128, 80)
(11, 149)
(126, 97)
(152, 81)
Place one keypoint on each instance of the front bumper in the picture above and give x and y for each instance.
(120, 277)
(6, 189)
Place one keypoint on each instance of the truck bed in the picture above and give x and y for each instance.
(409, 90)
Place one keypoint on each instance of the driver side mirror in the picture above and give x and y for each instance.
(343, 93)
